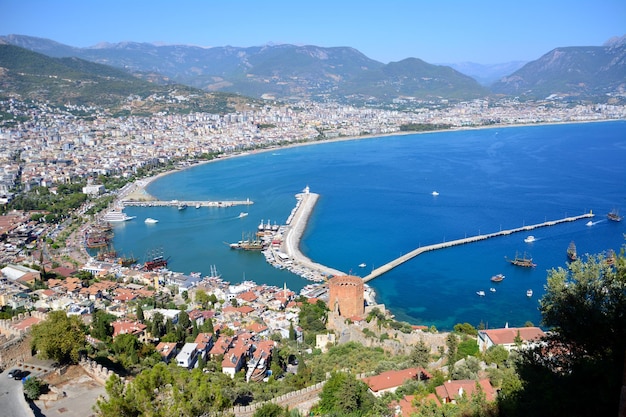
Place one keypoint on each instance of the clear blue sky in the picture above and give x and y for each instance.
(437, 31)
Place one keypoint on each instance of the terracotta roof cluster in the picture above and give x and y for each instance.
(127, 327)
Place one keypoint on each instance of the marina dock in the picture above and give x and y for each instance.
(404, 258)
(178, 203)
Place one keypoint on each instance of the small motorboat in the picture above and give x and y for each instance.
(242, 214)
(435, 193)
(497, 278)
(362, 265)
(480, 293)
(150, 220)
(492, 289)
(530, 239)
(529, 293)
(589, 223)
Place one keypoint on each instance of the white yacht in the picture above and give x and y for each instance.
(116, 216)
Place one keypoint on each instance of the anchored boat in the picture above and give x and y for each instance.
(522, 261)
(614, 216)
(497, 278)
(571, 251)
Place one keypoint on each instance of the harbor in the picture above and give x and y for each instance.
(281, 247)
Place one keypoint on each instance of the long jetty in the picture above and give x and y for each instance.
(296, 224)
(404, 258)
(175, 203)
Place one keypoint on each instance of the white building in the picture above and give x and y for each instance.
(187, 356)
(509, 337)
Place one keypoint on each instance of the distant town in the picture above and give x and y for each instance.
(42, 146)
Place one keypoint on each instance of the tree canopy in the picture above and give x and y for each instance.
(60, 337)
(577, 371)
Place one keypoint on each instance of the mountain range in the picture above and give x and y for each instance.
(291, 72)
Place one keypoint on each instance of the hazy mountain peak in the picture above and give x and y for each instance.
(615, 41)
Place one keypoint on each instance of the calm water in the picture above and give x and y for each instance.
(376, 203)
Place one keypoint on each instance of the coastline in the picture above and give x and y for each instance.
(137, 190)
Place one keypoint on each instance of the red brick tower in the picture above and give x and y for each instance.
(346, 296)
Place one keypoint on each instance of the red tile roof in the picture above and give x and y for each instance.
(507, 336)
(450, 390)
(127, 327)
(392, 379)
(248, 296)
(26, 323)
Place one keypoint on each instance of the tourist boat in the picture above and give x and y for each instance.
(614, 216)
(150, 220)
(530, 239)
(106, 255)
(480, 293)
(116, 216)
(126, 260)
(571, 251)
(521, 261)
(96, 239)
(242, 214)
(529, 293)
(497, 278)
(492, 289)
(157, 262)
(249, 244)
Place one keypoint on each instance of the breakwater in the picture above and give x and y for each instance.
(179, 203)
(287, 255)
(406, 257)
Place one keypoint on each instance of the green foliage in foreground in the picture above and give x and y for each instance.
(164, 391)
(577, 371)
(60, 337)
(344, 395)
(33, 388)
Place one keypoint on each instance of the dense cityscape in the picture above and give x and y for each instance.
(267, 337)
(55, 147)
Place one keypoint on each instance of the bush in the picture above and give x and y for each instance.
(33, 388)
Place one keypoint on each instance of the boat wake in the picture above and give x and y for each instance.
(592, 223)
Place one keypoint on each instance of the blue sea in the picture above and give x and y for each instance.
(376, 203)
